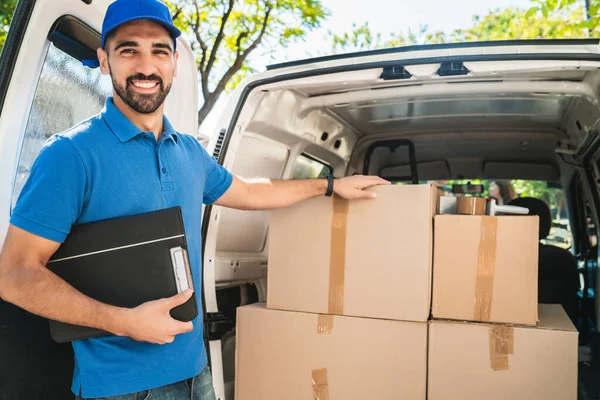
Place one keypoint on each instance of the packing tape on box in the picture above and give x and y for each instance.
(502, 340)
(325, 324)
(319, 384)
(486, 265)
(337, 261)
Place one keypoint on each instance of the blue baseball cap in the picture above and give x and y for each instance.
(122, 11)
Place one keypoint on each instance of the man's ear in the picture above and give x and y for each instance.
(103, 59)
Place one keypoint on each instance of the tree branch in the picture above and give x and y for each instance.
(177, 13)
(238, 42)
(260, 36)
(204, 49)
(219, 38)
(239, 61)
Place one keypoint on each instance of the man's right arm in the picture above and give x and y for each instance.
(26, 282)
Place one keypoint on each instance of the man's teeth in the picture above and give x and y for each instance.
(145, 85)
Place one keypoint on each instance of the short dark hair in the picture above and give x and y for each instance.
(109, 37)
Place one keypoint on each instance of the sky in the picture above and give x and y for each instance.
(385, 16)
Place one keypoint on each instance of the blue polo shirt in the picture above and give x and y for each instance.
(103, 168)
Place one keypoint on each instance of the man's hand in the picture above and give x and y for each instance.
(351, 187)
(151, 322)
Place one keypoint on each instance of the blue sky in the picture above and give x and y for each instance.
(385, 16)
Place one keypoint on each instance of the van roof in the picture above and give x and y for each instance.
(556, 48)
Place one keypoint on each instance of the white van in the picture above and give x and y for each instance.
(523, 110)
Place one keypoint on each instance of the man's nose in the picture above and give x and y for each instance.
(146, 65)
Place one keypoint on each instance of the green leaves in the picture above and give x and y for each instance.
(531, 12)
(545, 19)
(362, 38)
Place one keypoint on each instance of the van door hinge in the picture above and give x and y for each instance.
(216, 325)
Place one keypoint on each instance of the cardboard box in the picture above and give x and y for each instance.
(369, 257)
(485, 268)
(469, 361)
(298, 356)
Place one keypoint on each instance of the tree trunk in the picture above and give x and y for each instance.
(206, 108)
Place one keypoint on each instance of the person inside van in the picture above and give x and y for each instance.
(128, 160)
(502, 191)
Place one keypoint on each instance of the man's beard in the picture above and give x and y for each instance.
(141, 103)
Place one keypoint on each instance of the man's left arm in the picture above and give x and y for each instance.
(266, 194)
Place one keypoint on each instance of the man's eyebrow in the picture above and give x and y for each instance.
(126, 44)
(162, 46)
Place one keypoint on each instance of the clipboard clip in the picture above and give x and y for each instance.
(181, 268)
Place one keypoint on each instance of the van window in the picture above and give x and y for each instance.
(66, 94)
(310, 168)
(551, 193)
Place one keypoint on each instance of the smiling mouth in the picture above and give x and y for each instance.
(144, 84)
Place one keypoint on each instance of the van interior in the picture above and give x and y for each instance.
(458, 126)
(408, 119)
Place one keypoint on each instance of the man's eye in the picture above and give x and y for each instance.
(161, 52)
(128, 51)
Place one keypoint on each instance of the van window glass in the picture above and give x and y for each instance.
(66, 94)
(309, 168)
(552, 194)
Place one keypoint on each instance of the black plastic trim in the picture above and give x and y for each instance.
(452, 69)
(323, 163)
(395, 72)
(392, 145)
(12, 46)
(216, 325)
(438, 46)
(75, 38)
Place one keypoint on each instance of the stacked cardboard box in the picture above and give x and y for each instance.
(470, 360)
(350, 297)
(485, 340)
(349, 291)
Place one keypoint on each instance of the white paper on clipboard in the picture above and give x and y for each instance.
(181, 268)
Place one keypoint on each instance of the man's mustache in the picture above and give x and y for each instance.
(142, 77)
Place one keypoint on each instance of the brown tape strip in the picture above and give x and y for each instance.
(319, 384)
(325, 324)
(502, 340)
(337, 256)
(486, 264)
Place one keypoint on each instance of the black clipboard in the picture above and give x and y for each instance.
(125, 262)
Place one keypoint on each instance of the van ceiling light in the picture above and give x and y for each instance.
(452, 68)
(395, 72)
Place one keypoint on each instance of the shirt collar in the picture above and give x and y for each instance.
(169, 131)
(124, 129)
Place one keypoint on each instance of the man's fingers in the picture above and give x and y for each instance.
(373, 180)
(359, 194)
(187, 327)
(381, 181)
(365, 194)
(179, 298)
(182, 327)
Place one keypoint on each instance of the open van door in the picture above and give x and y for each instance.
(45, 89)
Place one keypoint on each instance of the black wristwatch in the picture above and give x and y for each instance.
(329, 191)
